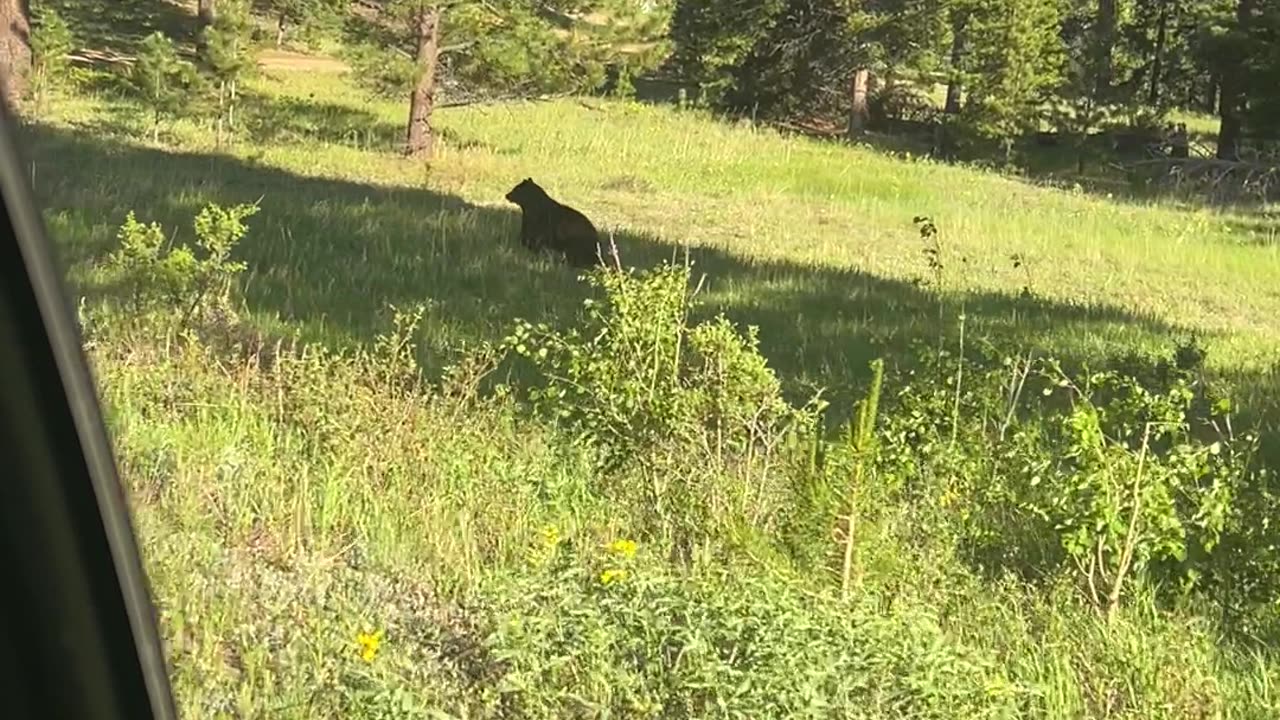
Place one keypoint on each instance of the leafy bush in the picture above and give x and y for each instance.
(1118, 477)
(1132, 474)
(595, 632)
(1143, 491)
(693, 409)
(638, 375)
(175, 280)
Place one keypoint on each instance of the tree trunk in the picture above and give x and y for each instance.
(954, 88)
(206, 11)
(421, 138)
(15, 48)
(858, 109)
(1180, 143)
(1157, 54)
(1106, 41)
(222, 110)
(1231, 97)
(1211, 95)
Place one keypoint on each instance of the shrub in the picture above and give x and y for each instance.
(692, 409)
(1133, 473)
(175, 281)
(1142, 491)
(595, 632)
(639, 375)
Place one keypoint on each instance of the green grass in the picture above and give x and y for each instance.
(770, 219)
(290, 500)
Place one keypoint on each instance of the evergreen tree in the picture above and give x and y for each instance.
(777, 58)
(164, 82)
(292, 16)
(206, 12)
(1009, 65)
(1263, 112)
(1236, 51)
(905, 39)
(51, 43)
(911, 37)
(957, 14)
(1015, 64)
(515, 46)
(712, 40)
(774, 58)
(226, 53)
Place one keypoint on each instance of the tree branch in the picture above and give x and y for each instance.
(555, 17)
(456, 47)
(503, 99)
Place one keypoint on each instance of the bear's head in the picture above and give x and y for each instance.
(525, 193)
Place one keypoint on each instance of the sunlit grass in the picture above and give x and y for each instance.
(285, 510)
(781, 213)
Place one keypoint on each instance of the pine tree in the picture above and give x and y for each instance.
(516, 46)
(294, 15)
(420, 139)
(911, 40)
(206, 13)
(164, 82)
(1263, 111)
(805, 57)
(713, 40)
(1016, 62)
(51, 43)
(957, 14)
(226, 55)
(1233, 105)
(774, 58)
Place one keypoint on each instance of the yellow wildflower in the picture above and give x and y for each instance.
(550, 535)
(625, 548)
(369, 645)
(613, 575)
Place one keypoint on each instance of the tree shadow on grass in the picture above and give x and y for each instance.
(272, 118)
(329, 256)
(275, 119)
(119, 26)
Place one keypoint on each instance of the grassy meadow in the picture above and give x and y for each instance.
(346, 517)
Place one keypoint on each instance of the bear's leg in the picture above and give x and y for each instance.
(528, 232)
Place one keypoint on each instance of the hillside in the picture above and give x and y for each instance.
(347, 512)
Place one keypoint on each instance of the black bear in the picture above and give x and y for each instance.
(547, 224)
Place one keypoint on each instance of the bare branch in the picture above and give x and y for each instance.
(503, 99)
(456, 47)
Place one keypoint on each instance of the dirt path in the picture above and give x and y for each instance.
(285, 60)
